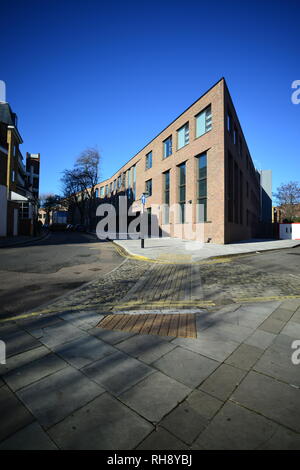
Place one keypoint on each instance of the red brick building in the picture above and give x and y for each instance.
(201, 157)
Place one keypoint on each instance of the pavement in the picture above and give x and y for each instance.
(70, 385)
(178, 250)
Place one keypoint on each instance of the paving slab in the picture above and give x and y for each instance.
(271, 398)
(282, 314)
(161, 439)
(236, 428)
(272, 325)
(32, 437)
(110, 336)
(244, 357)
(213, 348)
(228, 332)
(276, 361)
(296, 316)
(55, 335)
(102, 424)
(186, 366)
(23, 358)
(82, 319)
(117, 372)
(33, 371)
(18, 342)
(35, 325)
(184, 422)
(292, 329)
(223, 381)
(291, 304)
(260, 339)
(14, 415)
(155, 396)
(205, 405)
(65, 390)
(147, 348)
(83, 350)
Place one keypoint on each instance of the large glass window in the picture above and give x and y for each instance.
(168, 147)
(102, 191)
(134, 182)
(202, 187)
(203, 122)
(148, 187)
(183, 136)
(182, 191)
(166, 214)
(149, 160)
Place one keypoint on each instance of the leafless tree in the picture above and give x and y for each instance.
(288, 198)
(79, 184)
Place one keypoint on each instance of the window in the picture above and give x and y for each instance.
(166, 190)
(96, 193)
(168, 147)
(24, 210)
(119, 182)
(148, 187)
(203, 122)
(110, 187)
(102, 191)
(182, 174)
(133, 182)
(183, 136)
(202, 187)
(234, 135)
(106, 190)
(229, 122)
(13, 176)
(149, 160)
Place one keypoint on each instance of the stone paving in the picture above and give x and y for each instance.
(70, 385)
(177, 249)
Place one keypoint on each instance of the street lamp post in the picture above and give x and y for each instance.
(143, 200)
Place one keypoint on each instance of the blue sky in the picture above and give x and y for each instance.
(83, 73)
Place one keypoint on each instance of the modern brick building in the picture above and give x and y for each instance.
(201, 157)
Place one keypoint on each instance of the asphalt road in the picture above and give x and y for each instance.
(286, 261)
(32, 275)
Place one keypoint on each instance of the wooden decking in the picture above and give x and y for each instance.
(177, 325)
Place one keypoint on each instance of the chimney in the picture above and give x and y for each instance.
(2, 92)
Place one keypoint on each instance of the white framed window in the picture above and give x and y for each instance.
(203, 122)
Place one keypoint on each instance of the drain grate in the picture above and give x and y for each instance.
(177, 325)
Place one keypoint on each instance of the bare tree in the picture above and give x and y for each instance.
(288, 198)
(79, 184)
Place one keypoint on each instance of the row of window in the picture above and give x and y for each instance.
(237, 140)
(201, 189)
(203, 125)
(128, 179)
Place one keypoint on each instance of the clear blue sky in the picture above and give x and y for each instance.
(113, 74)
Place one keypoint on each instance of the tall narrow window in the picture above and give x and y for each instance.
(166, 215)
(203, 122)
(183, 136)
(202, 187)
(229, 122)
(149, 160)
(96, 193)
(106, 190)
(182, 191)
(167, 147)
(119, 181)
(148, 187)
(133, 182)
(102, 191)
